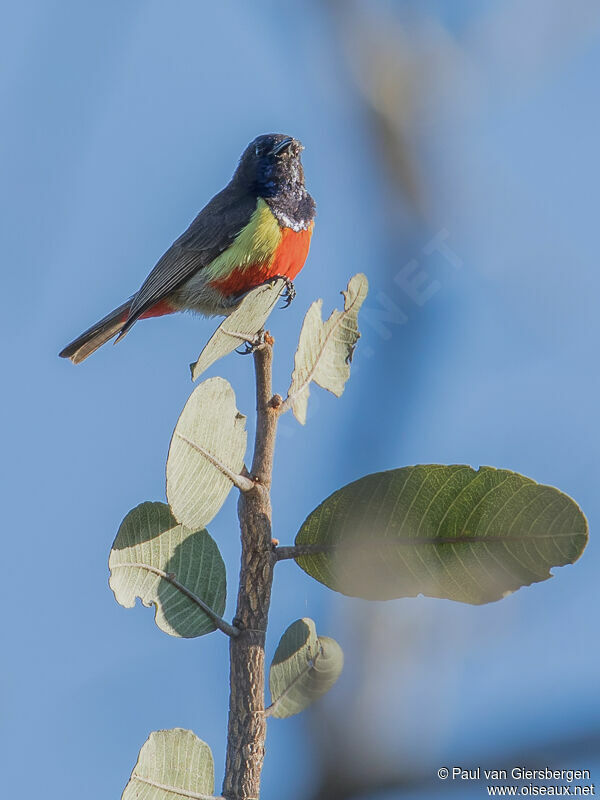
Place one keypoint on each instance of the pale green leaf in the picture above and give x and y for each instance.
(163, 563)
(325, 348)
(304, 667)
(206, 453)
(240, 326)
(172, 764)
(442, 531)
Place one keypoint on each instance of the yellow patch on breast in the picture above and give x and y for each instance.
(254, 244)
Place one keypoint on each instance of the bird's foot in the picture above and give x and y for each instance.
(289, 293)
(253, 344)
(290, 290)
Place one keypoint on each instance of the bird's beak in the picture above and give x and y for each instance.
(282, 145)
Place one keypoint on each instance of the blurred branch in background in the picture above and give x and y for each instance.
(387, 75)
(408, 67)
(385, 72)
(416, 73)
(341, 784)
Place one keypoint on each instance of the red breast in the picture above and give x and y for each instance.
(287, 261)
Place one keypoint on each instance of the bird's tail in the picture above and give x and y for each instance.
(97, 335)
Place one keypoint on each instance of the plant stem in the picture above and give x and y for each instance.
(293, 551)
(247, 725)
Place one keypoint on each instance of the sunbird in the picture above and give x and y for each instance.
(256, 229)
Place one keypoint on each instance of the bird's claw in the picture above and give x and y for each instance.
(289, 294)
(290, 290)
(254, 344)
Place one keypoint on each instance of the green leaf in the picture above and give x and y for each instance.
(206, 453)
(172, 764)
(170, 567)
(240, 326)
(304, 667)
(325, 348)
(442, 531)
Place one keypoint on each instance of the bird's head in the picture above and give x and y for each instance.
(271, 164)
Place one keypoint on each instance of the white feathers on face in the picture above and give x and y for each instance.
(278, 172)
(295, 170)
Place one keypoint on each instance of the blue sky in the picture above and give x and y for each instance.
(121, 120)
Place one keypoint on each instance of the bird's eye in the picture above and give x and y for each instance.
(282, 146)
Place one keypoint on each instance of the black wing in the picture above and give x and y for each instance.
(212, 232)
